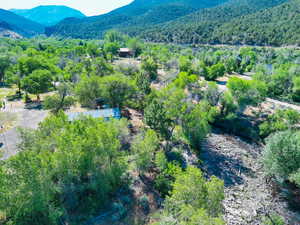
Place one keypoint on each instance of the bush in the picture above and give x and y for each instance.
(279, 121)
(281, 156)
(194, 200)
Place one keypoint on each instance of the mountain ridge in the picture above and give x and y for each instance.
(93, 27)
(48, 15)
(21, 25)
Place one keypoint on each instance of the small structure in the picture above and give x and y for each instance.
(106, 114)
(125, 52)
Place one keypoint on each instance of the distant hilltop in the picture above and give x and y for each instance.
(48, 15)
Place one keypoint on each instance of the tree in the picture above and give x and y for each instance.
(184, 79)
(281, 120)
(100, 67)
(165, 110)
(64, 167)
(247, 92)
(111, 48)
(61, 100)
(156, 118)
(143, 82)
(193, 199)
(212, 94)
(135, 45)
(114, 36)
(215, 71)
(38, 82)
(4, 65)
(185, 64)
(281, 156)
(88, 90)
(117, 90)
(150, 67)
(144, 146)
(196, 123)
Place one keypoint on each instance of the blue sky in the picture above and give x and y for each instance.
(88, 7)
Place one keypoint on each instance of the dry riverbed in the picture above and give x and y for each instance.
(248, 195)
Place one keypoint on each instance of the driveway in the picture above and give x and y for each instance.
(26, 118)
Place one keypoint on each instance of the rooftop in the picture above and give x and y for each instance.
(103, 113)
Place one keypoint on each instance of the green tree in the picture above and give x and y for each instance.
(143, 82)
(281, 156)
(88, 90)
(215, 71)
(4, 65)
(165, 111)
(281, 120)
(185, 64)
(100, 67)
(184, 79)
(135, 45)
(63, 167)
(144, 146)
(114, 36)
(61, 100)
(196, 123)
(194, 199)
(150, 67)
(117, 90)
(247, 92)
(111, 48)
(38, 82)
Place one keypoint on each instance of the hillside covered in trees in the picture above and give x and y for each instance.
(238, 22)
(20, 24)
(139, 13)
(249, 22)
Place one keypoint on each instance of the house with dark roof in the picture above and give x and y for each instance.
(125, 52)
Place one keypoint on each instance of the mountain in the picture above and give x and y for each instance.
(20, 25)
(139, 13)
(253, 22)
(48, 15)
(6, 31)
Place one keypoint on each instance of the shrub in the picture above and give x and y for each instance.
(281, 156)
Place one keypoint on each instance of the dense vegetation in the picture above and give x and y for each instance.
(249, 22)
(236, 22)
(48, 15)
(20, 25)
(139, 13)
(69, 172)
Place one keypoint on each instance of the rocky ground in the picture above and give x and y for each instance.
(248, 194)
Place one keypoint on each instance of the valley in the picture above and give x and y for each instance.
(159, 112)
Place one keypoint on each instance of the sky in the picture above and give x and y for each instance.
(88, 7)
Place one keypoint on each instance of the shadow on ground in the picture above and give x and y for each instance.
(226, 167)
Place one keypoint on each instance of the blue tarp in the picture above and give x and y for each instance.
(103, 113)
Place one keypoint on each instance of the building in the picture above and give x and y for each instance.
(106, 114)
(125, 52)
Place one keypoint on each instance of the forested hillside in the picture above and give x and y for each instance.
(139, 13)
(20, 24)
(253, 22)
(250, 22)
(48, 15)
(6, 31)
